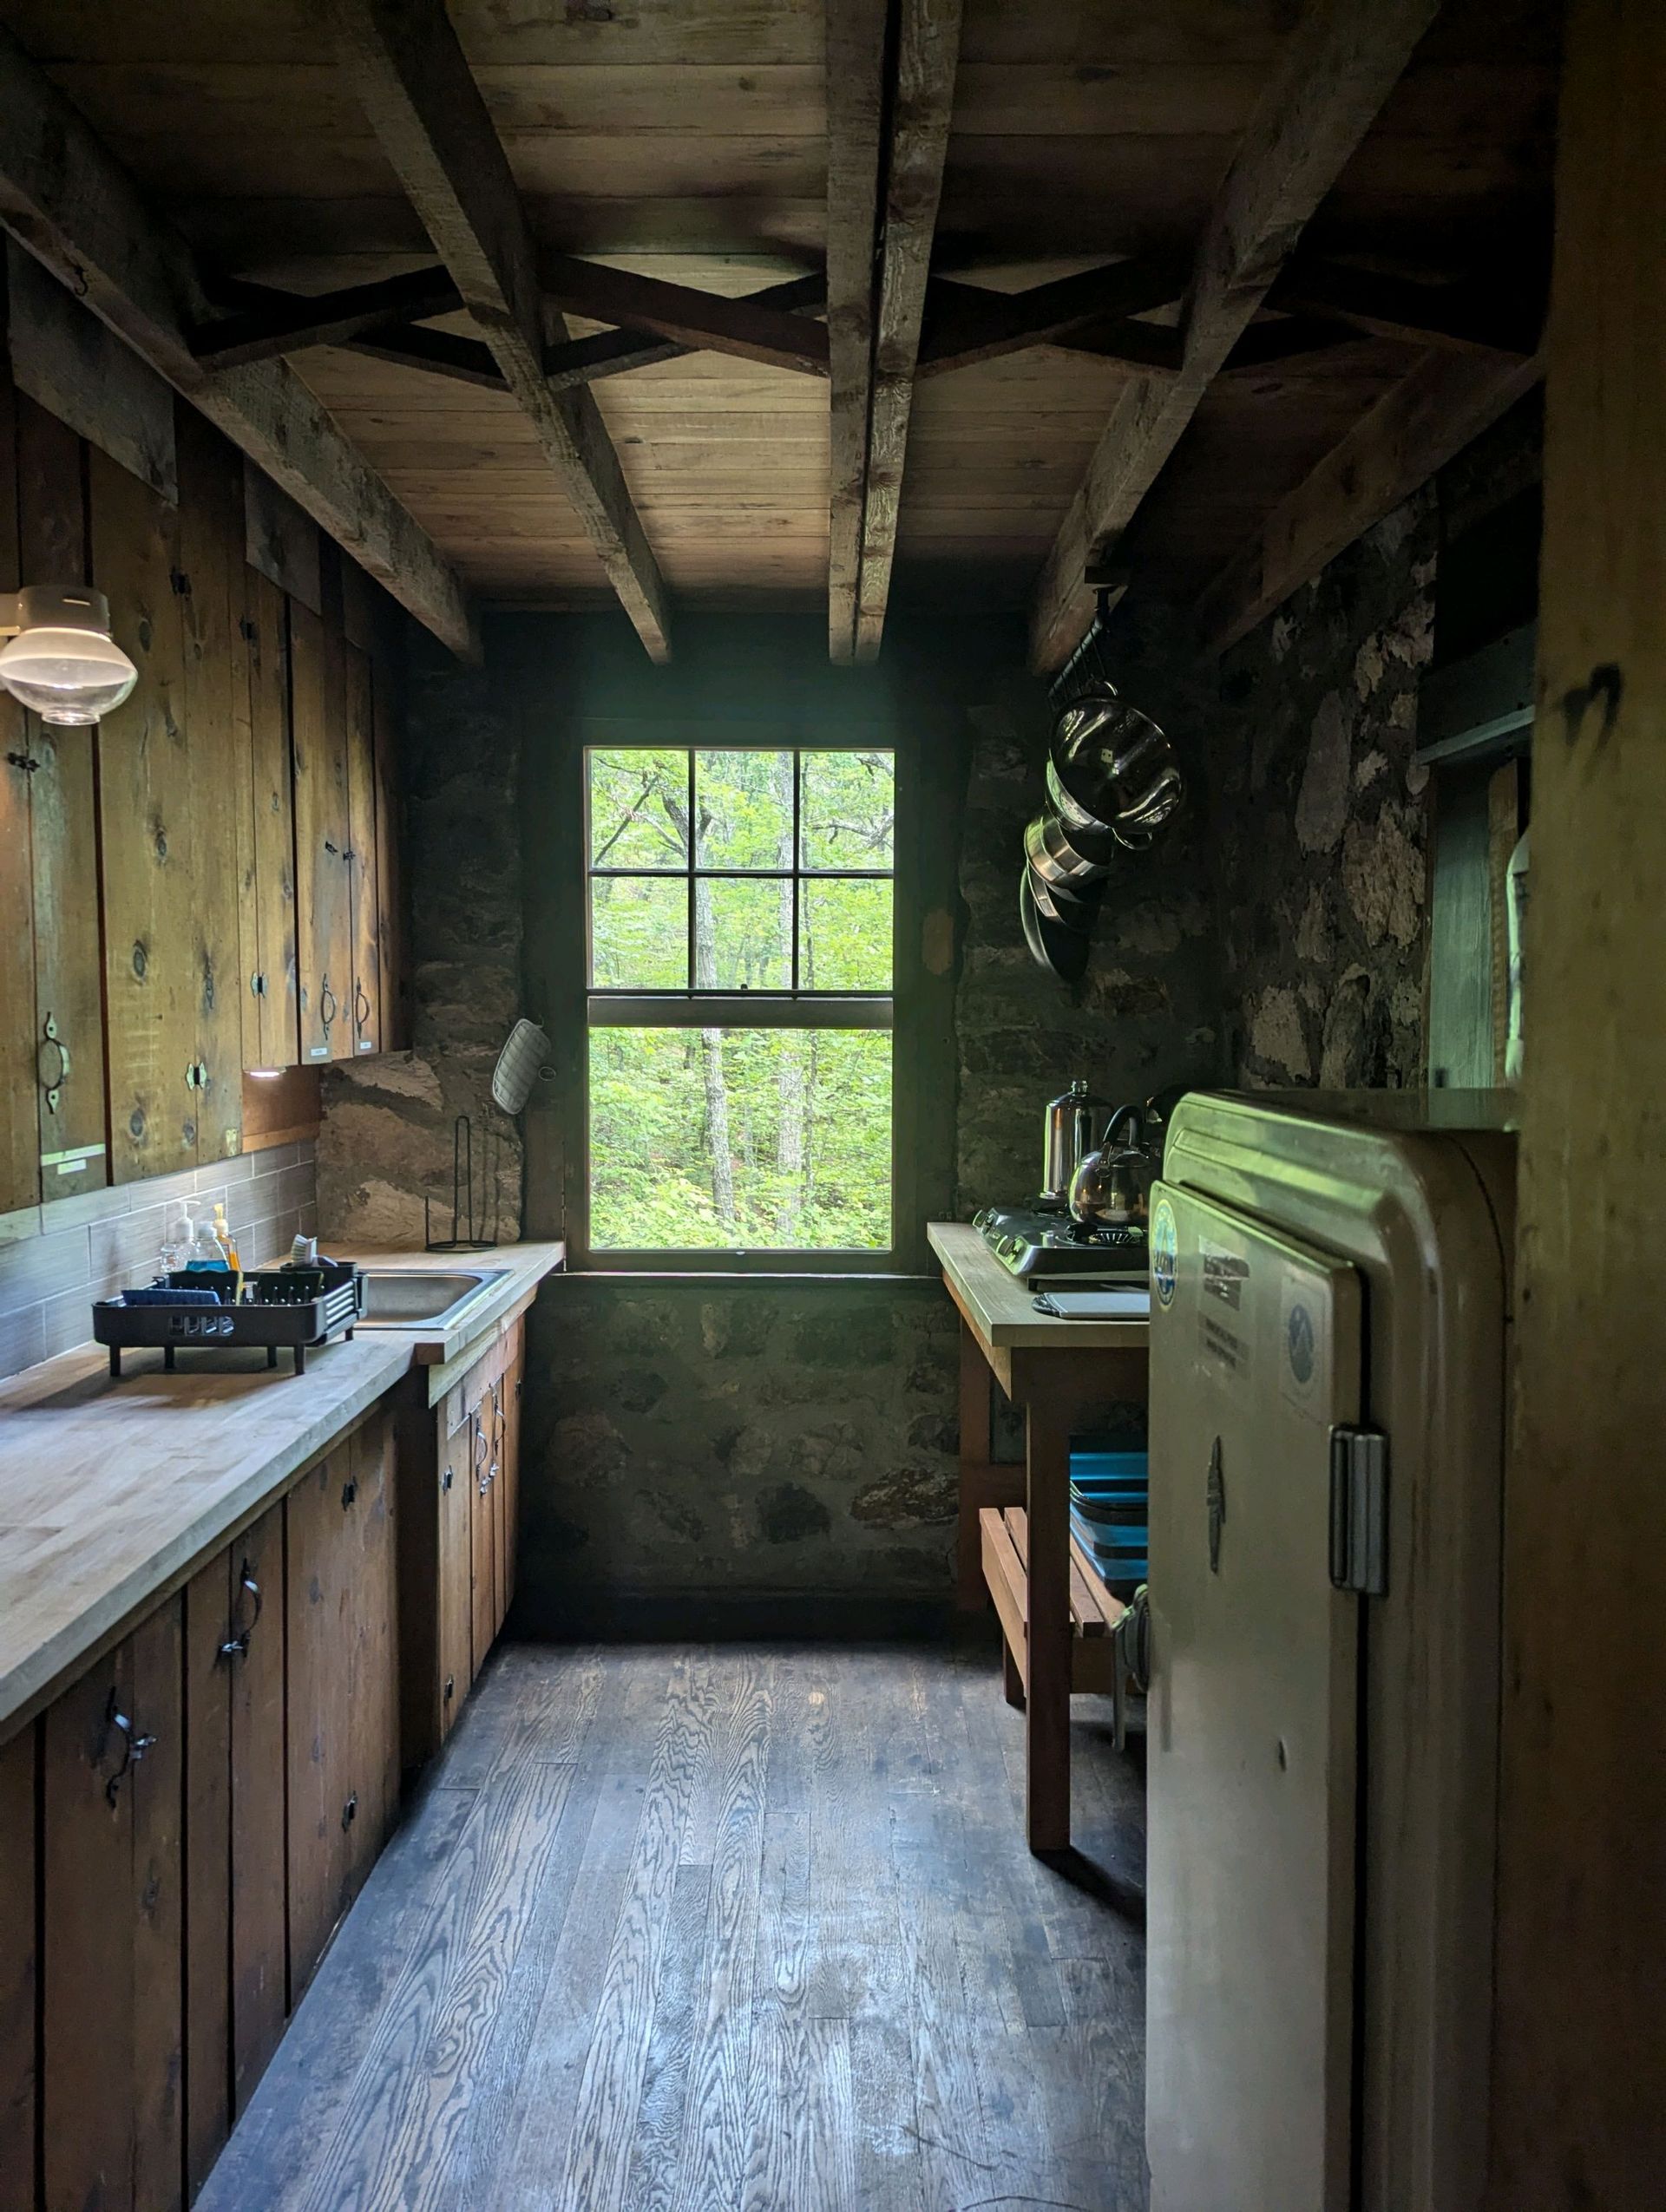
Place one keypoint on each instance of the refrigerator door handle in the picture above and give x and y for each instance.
(1359, 1510)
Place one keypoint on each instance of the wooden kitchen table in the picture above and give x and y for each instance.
(1062, 1374)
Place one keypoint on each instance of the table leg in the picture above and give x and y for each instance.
(1047, 1707)
(977, 1388)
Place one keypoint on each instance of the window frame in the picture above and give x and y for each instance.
(795, 1008)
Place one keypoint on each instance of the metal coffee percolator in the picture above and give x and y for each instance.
(1068, 1136)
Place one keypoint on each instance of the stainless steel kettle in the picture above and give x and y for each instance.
(1111, 1187)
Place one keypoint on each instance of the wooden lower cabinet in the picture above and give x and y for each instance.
(459, 1498)
(113, 1921)
(343, 1733)
(180, 1832)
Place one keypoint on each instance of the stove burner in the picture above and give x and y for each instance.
(1038, 1241)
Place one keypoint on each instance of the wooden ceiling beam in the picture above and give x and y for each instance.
(611, 353)
(269, 323)
(1338, 67)
(65, 197)
(1466, 316)
(750, 328)
(424, 106)
(1415, 429)
(436, 353)
(966, 324)
(856, 32)
(928, 53)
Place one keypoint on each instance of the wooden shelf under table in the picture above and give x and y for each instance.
(1093, 1612)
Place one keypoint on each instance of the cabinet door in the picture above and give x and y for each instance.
(152, 977)
(456, 1668)
(482, 1532)
(259, 1961)
(323, 893)
(509, 1504)
(19, 2075)
(385, 705)
(271, 1022)
(373, 1778)
(20, 1148)
(69, 1033)
(210, 1615)
(112, 2027)
(363, 854)
(321, 1549)
(210, 586)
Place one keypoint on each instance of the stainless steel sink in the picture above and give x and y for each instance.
(414, 1298)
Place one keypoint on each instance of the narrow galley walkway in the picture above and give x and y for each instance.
(744, 1928)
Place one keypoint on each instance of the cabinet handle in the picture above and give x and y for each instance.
(328, 1005)
(133, 1747)
(450, 1687)
(237, 1646)
(349, 1492)
(349, 1811)
(446, 1480)
(52, 1084)
(361, 1006)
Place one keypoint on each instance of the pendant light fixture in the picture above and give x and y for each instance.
(59, 657)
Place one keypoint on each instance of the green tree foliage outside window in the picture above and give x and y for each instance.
(740, 872)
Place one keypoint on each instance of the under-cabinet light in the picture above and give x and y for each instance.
(60, 658)
(264, 1074)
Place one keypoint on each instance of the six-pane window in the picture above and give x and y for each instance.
(740, 973)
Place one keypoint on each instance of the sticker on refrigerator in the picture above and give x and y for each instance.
(1166, 1253)
(1304, 1350)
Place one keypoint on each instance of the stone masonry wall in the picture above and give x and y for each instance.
(389, 1123)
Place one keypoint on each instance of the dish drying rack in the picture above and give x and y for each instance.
(296, 1308)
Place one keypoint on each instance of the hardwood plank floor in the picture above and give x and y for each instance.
(735, 1929)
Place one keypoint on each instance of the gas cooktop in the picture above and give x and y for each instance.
(1037, 1241)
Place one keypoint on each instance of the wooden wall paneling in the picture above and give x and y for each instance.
(322, 914)
(363, 849)
(1578, 2113)
(259, 1965)
(211, 561)
(112, 2041)
(393, 958)
(19, 2050)
(68, 946)
(153, 983)
(211, 1612)
(280, 542)
(20, 1142)
(318, 1617)
(273, 1040)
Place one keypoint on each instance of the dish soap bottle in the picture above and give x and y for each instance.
(224, 1239)
(205, 1256)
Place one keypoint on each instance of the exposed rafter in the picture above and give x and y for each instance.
(856, 95)
(267, 324)
(67, 199)
(1415, 429)
(747, 328)
(1338, 66)
(928, 53)
(966, 324)
(1469, 316)
(425, 107)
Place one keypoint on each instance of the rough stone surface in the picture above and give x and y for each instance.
(389, 1136)
(1145, 1014)
(778, 1438)
(1319, 824)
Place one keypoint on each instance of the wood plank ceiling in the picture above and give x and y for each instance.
(688, 139)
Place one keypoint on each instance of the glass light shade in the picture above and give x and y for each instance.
(67, 676)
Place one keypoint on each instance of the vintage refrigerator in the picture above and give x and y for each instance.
(1330, 1321)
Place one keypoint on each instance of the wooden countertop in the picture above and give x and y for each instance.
(999, 1307)
(111, 1494)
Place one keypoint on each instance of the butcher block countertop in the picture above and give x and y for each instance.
(1001, 1310)
(111, 1494)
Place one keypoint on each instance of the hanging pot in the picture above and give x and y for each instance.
(1110, 767)
(1059, 855)
(1054, 945)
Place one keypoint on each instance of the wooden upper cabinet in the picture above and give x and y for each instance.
(112, 2038)
(364, 871)
(52, 1101)
(323, 920)
(266, 831)
(391, 920)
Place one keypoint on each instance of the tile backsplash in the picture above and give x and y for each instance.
(56, 1260)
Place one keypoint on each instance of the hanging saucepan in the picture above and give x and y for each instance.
(1056, 946)
(1059, 855)
(1072, 904)
(1112, 769)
